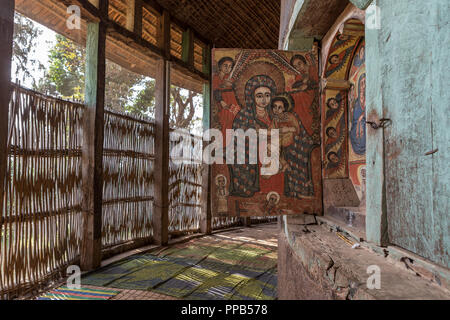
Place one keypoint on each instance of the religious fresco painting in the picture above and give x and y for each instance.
(343, 137)
(335, 134)
(357, 121)
(268, 89)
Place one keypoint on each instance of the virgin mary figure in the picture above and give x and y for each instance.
(245, 178)
(296, 181)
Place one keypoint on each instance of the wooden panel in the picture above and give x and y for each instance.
(417, 204)
(241, 189)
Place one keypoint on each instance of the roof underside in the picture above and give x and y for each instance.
(249, 24)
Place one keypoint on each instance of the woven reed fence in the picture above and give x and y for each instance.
(185, 182)
(128, 161)
(40, 224)
(225, 222)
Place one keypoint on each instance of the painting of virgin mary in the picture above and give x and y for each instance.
(245, 180)
(269, 106)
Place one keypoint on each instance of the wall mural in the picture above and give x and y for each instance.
(267, 89)
(357, 122)
(341, 62)
(335, 137)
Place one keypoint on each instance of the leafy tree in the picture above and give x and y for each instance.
(66, 70)
(120, 84)
(24, 47)
(183, 106)
(144, 103)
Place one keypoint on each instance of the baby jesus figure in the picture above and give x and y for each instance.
(286, 122)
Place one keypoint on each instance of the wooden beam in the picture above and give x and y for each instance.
(161, 172)
(6, 39)
(163, 35)
(92, 156)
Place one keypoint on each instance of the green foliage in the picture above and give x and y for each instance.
(24, 47)
(66, 70)
(144, 103)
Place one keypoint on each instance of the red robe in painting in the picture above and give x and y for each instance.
(225, 93)
(304, 98)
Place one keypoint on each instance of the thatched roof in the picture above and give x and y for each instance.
(250, 24)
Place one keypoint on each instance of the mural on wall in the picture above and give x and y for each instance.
(267, 89)
(335, 137)
(357, 122)
(343, 58)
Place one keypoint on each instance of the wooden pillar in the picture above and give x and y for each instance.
(246, 221)
(161, 203)
(206, 218)
(6, 39)
(134, 16)
(162, 103)
(92, 167)
(163, 34)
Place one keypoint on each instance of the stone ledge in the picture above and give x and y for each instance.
(326, 267)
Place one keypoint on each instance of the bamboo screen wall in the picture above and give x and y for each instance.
(185, 183)
(41, 221)
(128, 160)
(225, 222)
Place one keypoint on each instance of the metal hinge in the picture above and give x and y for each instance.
(382, 124)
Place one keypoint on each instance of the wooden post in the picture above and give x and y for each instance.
(162, 103)
(161, 203)
(6, 39)
(206, 218)
(134, 16)
(163, 34)
(92, 167)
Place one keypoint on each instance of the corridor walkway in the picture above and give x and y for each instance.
(232, 265)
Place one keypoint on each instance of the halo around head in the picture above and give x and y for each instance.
(258, 68)
(219, 176)
(273, 193)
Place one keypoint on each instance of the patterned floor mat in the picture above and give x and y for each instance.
(204, 268)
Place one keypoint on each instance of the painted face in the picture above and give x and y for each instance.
(334, 59)
(278, 107)
(362, 52)
(299, 65)
(273, 199)
(226, 67)
(333, 104)
(263, 95)
(221, 181)
(332, 133)
(333, 158)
